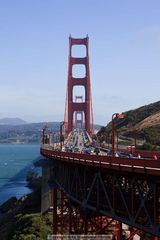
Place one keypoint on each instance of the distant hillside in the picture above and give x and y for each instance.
(12, 121)
(143, 122)
(26, 133)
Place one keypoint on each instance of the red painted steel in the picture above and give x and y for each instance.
(147, 153)
(124, 187)
(55, 211)
(134, 165)
(72, 81)
(69, 219)
(143, 153)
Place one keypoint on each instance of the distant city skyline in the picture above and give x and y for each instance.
(124, 49)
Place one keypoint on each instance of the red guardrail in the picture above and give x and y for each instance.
(136, 165)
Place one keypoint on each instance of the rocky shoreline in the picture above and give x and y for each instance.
(30, 203)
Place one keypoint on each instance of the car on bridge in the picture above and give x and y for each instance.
(87, 150)
(68, 148)
(76, 149)
(97, 150)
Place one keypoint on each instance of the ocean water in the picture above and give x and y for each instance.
(15, 162)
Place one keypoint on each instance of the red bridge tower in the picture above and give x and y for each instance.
(86, 106)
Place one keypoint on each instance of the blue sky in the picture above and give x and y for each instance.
(124, 52)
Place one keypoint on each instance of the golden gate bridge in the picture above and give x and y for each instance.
(90, 191)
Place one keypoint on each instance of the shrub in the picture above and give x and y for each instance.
(31, 227)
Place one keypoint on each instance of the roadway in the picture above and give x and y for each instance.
(79, 141)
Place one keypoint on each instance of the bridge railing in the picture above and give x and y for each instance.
(118, 163)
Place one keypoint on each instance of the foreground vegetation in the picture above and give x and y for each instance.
(22, 219)
(30, 227)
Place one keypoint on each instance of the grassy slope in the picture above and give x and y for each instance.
(145, 121)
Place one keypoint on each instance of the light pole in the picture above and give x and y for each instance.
(45, 135)
(114, 116)
(107, 139)
(134, 137)
(61, 137)
(54, 142)
(117, 134)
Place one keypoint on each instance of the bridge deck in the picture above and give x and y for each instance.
(143, 166)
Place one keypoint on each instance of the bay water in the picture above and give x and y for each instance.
(15, 162)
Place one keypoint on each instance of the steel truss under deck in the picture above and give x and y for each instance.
(133, 199)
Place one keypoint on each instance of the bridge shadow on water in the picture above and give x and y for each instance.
(17, 185)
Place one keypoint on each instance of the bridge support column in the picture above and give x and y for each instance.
(85, 224)
(55, 218)
(70, 220)
(46, 192)
(120, 232)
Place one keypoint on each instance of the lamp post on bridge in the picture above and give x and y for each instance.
(61, 135)
(134, 137)
(117, 135)
(54, 140)
(45, 135)
(114, 116)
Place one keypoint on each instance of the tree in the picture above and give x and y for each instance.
(31, 227)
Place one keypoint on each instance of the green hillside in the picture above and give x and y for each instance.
(142, 123)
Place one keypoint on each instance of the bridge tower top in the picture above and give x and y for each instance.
(84, 106)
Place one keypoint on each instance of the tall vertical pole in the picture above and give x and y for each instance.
(114, 116)
(108, 135)
(113, 134)
(85, 224)
(70, 218)
(135, 142)
(88, 92)
(117, 139)
(70, 88)
(53, 140)
(120, 230)
(55, 219)
(61, 136)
